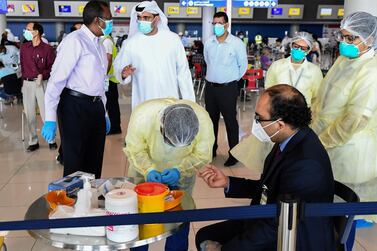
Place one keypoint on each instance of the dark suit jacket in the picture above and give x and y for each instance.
(303, 169)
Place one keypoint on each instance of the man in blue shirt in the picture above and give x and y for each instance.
(226, 60)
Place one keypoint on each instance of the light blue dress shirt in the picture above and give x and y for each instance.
(227, 61)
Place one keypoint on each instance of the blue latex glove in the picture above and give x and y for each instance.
(49, 131)
(154, 176)
(108, 124)
(170, 176)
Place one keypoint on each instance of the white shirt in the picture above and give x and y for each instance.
(161, 65)
(108, 44)
(80, 65)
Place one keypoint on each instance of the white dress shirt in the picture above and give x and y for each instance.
(80, 65)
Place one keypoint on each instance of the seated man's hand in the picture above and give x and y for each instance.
(214, 177)
(170, 176)
(154, 176)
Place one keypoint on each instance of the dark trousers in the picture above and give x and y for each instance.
(112, 106)
(223, 99)
(176, 242)
(221, 232)
(82, 128)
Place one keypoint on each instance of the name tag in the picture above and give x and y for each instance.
(264, 197)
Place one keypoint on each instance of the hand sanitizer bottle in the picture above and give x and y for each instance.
(84, 199)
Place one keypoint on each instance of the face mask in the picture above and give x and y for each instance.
(349, 50)
(28, 35)
(241, 37)
(219, 30)
(258, 131)
(144, 27)
(297, 55)
(108, 27)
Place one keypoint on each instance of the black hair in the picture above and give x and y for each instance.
(289, 105)
(279, 40)
(38, 27)
(221, 14)
(199, 45)
(73, 27)
(92, 10)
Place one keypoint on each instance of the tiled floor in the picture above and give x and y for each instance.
(24, 176)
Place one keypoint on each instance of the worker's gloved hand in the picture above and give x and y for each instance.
(154, 176)
(108, 124)
(49, 131)
(170, 176)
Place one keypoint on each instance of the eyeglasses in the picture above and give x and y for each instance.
(303, 48)
(214, 23)
(146, 18)
(258, 119)
(349, 39)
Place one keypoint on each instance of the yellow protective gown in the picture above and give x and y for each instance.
(146, 149)
(345, 119)
(306, 78)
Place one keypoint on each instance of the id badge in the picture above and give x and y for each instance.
(264, 197)
(106, 84)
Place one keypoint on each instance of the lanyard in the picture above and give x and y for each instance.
(298, 79)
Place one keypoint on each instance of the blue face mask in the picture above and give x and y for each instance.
(108, 27)
(145, 27)
(297, 55)
(28, 35)
(349, 50)
(219, 30)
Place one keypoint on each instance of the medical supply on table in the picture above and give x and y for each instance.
(71, 183)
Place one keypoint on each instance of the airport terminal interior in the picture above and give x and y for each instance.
(268, 30)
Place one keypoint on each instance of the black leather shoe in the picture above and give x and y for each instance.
(53, 146)
(32, 148)
(231, 161)
(59, 159)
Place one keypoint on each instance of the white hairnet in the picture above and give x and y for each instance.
(180, 124)
(150, 7)
(302, 35)
(363, 25)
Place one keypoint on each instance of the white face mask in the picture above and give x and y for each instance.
(258, 131)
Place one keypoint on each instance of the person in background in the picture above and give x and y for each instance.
(111, 86)
(198, 56)
(10, 56)
(167, 141)
(153, 58)
(298, 165)
(76, 26)
(345, 110)
(75, 94)
(265, 59)
(185, 41)
(36, 58)
(5, 71)
(226, 60)
(296, 70)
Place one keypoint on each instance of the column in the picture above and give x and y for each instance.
(229, 7)
(294, 29)
(3, 23)
(351, 6)
(59, 26)
(207, 18)
(181, 27)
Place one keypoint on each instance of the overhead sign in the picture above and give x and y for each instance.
(174, 10)
(22, 8)
(202, 3)
(240, 13)
(255, 3)
(330, 12)
(286, 11)
(121, 9)
(69, 8)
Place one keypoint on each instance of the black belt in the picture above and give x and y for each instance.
(222, 84)
(30, 79)
(77, 94)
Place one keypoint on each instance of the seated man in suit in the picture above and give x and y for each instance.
(297, 165)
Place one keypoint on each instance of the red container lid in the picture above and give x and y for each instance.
(150, 188)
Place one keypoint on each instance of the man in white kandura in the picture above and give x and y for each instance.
(153, 58)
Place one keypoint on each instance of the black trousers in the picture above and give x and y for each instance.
(223, 100)
(82, 128)
(112, 106)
